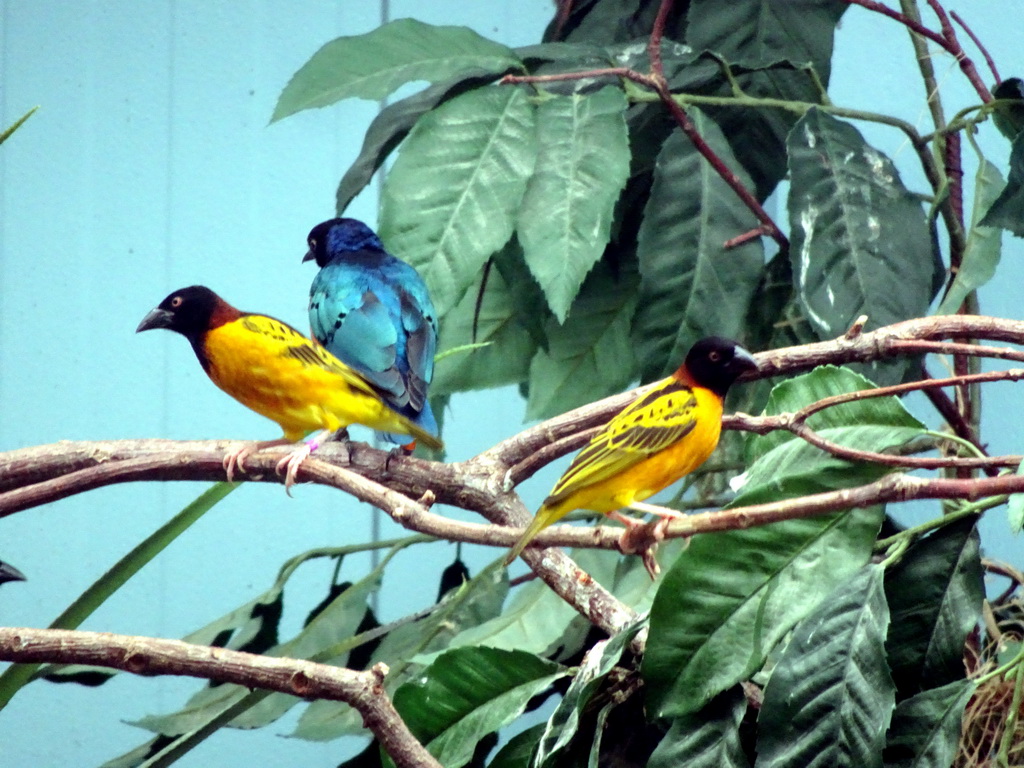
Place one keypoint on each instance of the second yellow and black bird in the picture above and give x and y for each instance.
(661, 436)
(273, 369)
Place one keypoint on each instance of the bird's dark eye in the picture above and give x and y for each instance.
(714, 356)
(176, 301)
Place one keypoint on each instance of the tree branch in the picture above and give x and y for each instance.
(150, 656)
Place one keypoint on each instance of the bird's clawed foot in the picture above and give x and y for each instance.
(289, 465)
(643, 538)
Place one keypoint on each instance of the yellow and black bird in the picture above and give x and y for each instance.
(270, 367)
(664, 434)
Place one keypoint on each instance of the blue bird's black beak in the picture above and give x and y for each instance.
(310, 256)
(157, 318)
(10, 573)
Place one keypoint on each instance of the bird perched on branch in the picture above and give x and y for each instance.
(9, 573)
(372, 311)
(664, 434)
(273, 369)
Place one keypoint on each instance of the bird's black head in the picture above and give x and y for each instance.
(189, 311)
(715, 363)
(339, 236)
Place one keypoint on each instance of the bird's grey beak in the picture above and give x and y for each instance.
(10, 573)
(309, 256)
(743, 360)
(157, 318)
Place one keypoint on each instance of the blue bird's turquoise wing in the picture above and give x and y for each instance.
(376, 316)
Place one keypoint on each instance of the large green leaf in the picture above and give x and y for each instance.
(856, 230)
(518, 752)
(392, 124)
(373, 65)
(566, 215)
(926, 728)
(690, 285)
(730, 597)
(450, 199)
(590, 356)
(758, 33)
(478, 600)
(1008, 209)
(984, 244)
(935, 596)
(468, 693)
(499, 322)
(706, 739)
(589, 678)
(830, 697)
(785, 466)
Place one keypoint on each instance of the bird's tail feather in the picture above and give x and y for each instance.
(545, 516)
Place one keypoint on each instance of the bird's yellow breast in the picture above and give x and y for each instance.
(657, 472)
(274, 370)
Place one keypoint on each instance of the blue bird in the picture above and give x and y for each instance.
(372, 311)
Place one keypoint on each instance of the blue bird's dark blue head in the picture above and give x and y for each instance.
(337, 236)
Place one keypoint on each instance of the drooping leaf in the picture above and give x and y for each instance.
(691, 285)
(783, 466)
(709, 738)
(590, 356)
(468, 693)
(830, 697)
(856, 231)
(1008, 209)
(392, 124)
(450, 199)
(373, 65)
(477, 601)
(500, 323)
(730, 597)
(613, 21)
(926, 728)
(1009, 116)
(759, 33)
(984, 244)
(591, 674)
(566, 214)
(935, 594)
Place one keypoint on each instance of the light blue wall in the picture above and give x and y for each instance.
(149, 166)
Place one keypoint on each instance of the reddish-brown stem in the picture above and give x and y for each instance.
(981, 47)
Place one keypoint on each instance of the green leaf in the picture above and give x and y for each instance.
(518, 752)
(589, 678)
(1008, 209)
(582, 165)
(468, 693)
(784, 466)
(590, 356)
(8, 132)
(758, 33)
(1009, 115)
(935, 595)
(17, 675)
(730, 597)
(691, 286)
(707, 739)
(500, 322)
(830, 697)
(856, 230)
(926, 728)
(392, 124)
(1015, 507)
(477, 601)
(373, 65)
(984, 244)
(450, 199)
